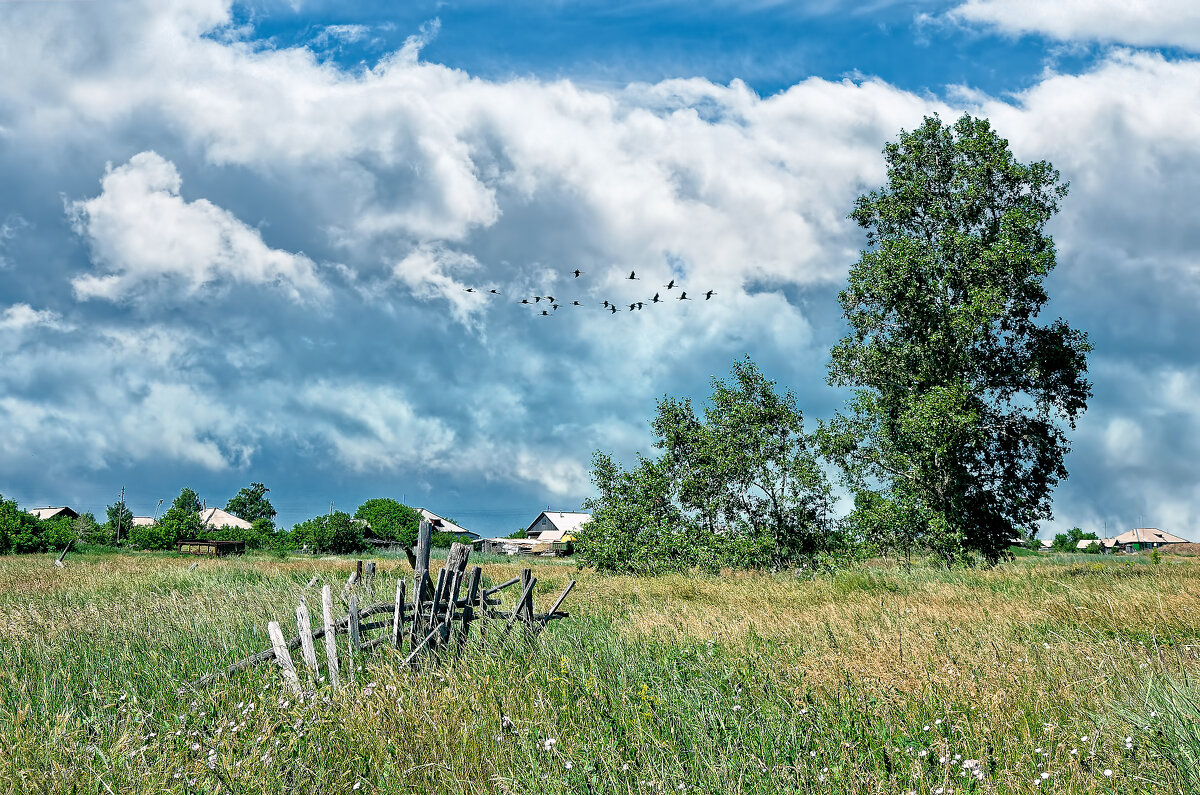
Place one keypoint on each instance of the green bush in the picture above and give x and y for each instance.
(336, 533)
(19, 531)
(390, 520)
(152, 536)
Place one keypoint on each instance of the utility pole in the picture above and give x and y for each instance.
(120, 515)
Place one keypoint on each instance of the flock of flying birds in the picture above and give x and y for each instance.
(636, 306)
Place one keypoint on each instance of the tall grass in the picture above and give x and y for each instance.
(875, 680)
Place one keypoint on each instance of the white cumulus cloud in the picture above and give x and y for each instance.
(142, 232)
(1142, 23)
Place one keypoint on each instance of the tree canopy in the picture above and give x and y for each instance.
(959, 395)
(739, 485)
(251, 504)
(390, 520)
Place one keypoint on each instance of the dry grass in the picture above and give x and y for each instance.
(862, 682)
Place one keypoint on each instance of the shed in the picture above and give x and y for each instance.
(213, 548)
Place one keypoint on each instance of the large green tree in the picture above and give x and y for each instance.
(182, 520)
(960, 394)
(251, 504)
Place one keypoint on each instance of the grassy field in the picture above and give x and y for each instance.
(1067, 674)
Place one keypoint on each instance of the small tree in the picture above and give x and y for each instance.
(120, 520)
(959, 393)
(337, 533)
(19, 531)
(251, 504)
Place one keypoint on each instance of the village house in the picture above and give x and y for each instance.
(1140, 539)
(53, 513)
(551, 533)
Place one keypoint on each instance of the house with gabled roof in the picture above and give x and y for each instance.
(551, 526)
(1140, 539)
(53, 513)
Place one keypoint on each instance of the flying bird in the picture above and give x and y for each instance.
(709, 294)
(612, 308)
(554, 307)
(494, 291)
(606, 304)
(632, 307)
(683, 296)
(470, 289)
(639, 306)
(576, 303)
(670, 284)
(550, 298)
(545, 313)
(537, 298)
(632, 275)
(655, 299)
(524, 300)
(577, 272)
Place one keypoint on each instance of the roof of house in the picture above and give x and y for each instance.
(1087, 542)
(143, 521)
(444, 525)
(53, 513)
(1148, 535)
(215, 517)
(560, 525)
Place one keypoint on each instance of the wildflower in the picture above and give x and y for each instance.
(357, 785)
(195, 746)
(625, 766)
(548, 743)
(568, 765)
(1084, 738)
(925, 728)
(1108, 773)
(737, 707)
(1045, 776)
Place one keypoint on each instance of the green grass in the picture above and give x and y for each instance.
(876, 680)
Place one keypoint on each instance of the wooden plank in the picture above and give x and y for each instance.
(558, 602)
(353, 640)
(398, 614)
(59, 562)
(468, 612)
(526, 603)
(420, 575)
(437, 598)
(413, 655)
(369, 579)
(193, 567)
(501, 586)
(330, 634)
(283, 657)
(373, 625)
(517, 612)
(451, 600)
(312, 582)
(304, 627)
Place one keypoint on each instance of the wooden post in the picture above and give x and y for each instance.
(312, 582)
(355, 642)
(437, 597)
(370, 579)
(468, 613)
(307, 649)
(330, 634)
(558, 602)
(455, 581)
(526, 604)
(283, 657)
(59, 562)
(525, 595)
(193, 567)
(413, 654)
(358, 570)
(398, 614)
(420, 575)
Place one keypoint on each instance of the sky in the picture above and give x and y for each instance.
(236, 238)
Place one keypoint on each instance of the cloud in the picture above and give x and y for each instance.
(142, 233)
(1146, 23)
(20, 317)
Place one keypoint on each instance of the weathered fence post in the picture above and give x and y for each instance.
(526, 604)
(468, 613)
(420, 575)
(398, 614)
(369, 580)
(304, 626)
(330, 634)
(355, 640)
(358, 570)
(59, 562)
(283, 657)
(312, 582)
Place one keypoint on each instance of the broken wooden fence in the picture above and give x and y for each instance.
(438, 616)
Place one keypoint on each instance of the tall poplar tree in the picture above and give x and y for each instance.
(955, 429)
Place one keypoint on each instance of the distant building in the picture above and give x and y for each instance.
(1139, 539)
(441, 525)
(142, 521)
(215, 518)
(557, 525)
(53, 513)
(1083, 545)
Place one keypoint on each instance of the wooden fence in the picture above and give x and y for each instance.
(437, 616)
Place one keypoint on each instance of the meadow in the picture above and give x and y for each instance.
(1065, 674)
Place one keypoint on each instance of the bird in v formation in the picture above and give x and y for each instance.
(605, 304)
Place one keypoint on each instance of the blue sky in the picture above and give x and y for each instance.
(235, 239)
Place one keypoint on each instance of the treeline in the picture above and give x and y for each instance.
(336, 532)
